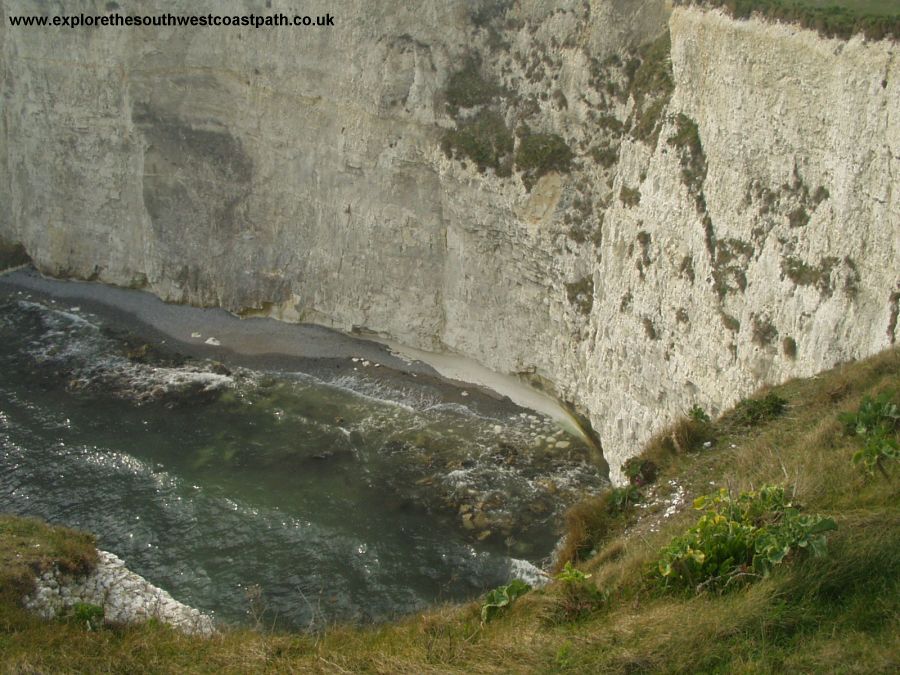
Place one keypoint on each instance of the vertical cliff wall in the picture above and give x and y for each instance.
(728, 215)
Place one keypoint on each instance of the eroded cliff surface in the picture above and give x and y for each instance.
(721, 209)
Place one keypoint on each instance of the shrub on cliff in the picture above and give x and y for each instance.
(738, 539)
(467, 88)
(751, 412)
(539, 154)
(651, 87)
(485, 140)
(589, 522)
(877, 424)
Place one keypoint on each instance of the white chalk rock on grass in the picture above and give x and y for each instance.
(125, 597)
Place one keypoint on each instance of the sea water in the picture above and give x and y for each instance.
(294, 499)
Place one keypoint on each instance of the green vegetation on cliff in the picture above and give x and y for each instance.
(467, 88)
(485, 140)
(876, 19)
(791, 563)
(481, 133)
(539, 154)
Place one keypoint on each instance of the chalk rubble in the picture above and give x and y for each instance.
(125, 597)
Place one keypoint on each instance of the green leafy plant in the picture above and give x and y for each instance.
(564, 655)
(640, 471)
(579, 595)
(88, 615)
(623, 497)
(698, 414)
(571, 574)
(739, 539)
(501, 597)
(877, 423)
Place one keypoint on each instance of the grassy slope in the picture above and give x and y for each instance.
(876, 19)
(870, 7)
(836, 614)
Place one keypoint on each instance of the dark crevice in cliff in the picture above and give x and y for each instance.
(894, 304)
(12, 256)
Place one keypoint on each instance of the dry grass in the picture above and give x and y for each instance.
(834, 614)
(29, 547)
(587, 524)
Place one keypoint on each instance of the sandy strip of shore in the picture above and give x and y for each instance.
(264, 342)
(461, 369)
(205, 332)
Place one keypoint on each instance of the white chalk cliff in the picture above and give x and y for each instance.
(738, 228)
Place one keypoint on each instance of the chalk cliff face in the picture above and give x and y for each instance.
(727, 220)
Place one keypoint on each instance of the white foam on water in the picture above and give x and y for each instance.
(369, 390)
(52, 311)
(89, 353)
(455, 409)
(527, 572)
(177, 377)
(121, 463)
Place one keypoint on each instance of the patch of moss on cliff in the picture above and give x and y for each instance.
(539, 154)
(803, 274)
(651, 86)
(606, 155)
(690, 153)
(686, 268)
(467, 88)
(732, 256)
(581, 294)
(763, 331)
(789, 348)
(644, 240)
(792, 203)
(484, 139)
(730, 322)
(630, 197)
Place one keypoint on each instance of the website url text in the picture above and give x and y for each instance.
(171, 20)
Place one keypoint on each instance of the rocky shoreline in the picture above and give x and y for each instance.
(124, 596)
(494, 474)
(154, 361)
